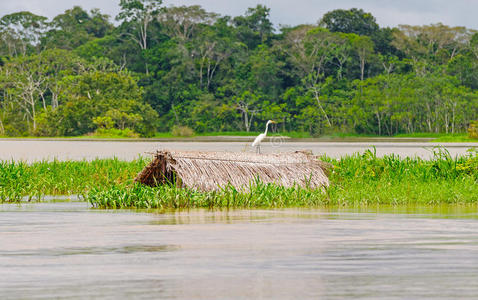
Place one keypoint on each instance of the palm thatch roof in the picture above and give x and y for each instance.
(213, 170)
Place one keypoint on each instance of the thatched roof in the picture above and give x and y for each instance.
(213, 170)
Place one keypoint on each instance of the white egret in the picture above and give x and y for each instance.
(260, 137)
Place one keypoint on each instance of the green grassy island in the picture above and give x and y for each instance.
(360, 179)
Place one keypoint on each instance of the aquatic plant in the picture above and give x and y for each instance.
(36, 180)
(359, 179)
(165, 196)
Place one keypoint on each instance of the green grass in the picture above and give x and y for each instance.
(441, 137)
(19, 179)
(355, 180)
(455, 139)
(292, 134)
(260, 195)
(341, 135)
(118, 134)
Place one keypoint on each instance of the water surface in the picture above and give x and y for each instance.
(66, 250)
(35, 149)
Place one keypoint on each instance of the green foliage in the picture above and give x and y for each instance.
(21, 33)
(163, 66)
(356, 180)
(182, 131)
(36, 180)
(260, 195)
(255, 27)
(473, 130)
(76, 27)
(350, 21)
(359, 179)
(114, 133)
(100, 100)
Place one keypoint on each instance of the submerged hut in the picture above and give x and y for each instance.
(212, 170)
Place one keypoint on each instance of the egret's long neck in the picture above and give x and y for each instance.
(267, 127)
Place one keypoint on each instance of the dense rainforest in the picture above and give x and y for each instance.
(155, 68)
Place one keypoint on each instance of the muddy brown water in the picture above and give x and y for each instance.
(34, 150)
(65, 250)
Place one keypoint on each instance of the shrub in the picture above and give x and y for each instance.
(473, 130)
(115, 133)
(182, 131)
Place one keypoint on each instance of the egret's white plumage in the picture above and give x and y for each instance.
(260, 137)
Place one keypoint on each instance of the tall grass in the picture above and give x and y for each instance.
(355, 180)
(367, 179)
(19, 179)
(259, 195)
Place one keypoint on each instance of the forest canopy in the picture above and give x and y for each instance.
(159, 67)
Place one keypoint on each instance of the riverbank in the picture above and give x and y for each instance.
(355, 180)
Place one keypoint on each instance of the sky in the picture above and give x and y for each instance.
(289, 12)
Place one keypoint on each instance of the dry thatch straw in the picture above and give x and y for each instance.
(213, 170)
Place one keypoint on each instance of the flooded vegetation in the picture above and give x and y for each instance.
(40, 179)
(386, 228)
(360, 179)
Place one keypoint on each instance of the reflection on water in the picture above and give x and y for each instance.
(88, 250)
(66, 250)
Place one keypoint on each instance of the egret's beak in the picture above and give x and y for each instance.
(273, 122)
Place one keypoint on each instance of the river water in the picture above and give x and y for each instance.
(67, 250)
(35, 149)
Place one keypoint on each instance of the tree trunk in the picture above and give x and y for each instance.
(453, 117)
(246, 120)
(200, 73)
(379, 124)
(446, 122)
(33, 114)
(362, 68)
(54, 100)
(321, 108)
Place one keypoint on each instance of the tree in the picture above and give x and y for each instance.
(25, 81)
(210, 51)
(33, 82)
(76, 27)
(247, 103)
(254, 27)
(383, 41)
(59, 64)
(308, 51)
(350, 21)
(363, 45)
(265, 72)
(183, 22)
(465, 69)
(139, 14)
(341, 50)
(22, 31)
(100, 94)
(198, 44)
(430, 45)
